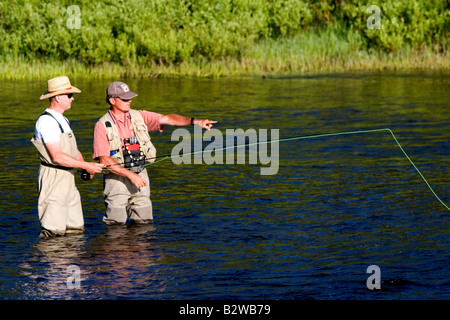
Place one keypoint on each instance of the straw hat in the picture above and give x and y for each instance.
(57, 86)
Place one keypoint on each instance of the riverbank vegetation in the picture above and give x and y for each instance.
(104, 39)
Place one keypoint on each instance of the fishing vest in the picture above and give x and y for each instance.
(68, 146)
(116, 143)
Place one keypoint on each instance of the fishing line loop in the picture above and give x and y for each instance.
(165, 157)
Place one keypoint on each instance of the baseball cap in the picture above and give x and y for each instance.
(119, 89)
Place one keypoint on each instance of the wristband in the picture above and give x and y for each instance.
(192, 121)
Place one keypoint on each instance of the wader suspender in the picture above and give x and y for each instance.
(46, 113)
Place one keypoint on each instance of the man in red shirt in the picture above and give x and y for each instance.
(122, 144)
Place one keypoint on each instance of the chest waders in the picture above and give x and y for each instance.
(68, 146)
(59, 203)
(122, 198)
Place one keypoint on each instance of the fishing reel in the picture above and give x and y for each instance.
(84, 175)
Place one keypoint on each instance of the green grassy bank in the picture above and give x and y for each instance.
(106, 39)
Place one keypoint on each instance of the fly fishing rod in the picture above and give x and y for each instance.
(86, 176)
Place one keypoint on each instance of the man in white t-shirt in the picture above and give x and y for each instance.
(59, 204)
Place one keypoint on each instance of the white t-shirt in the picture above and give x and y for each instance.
(48, 129)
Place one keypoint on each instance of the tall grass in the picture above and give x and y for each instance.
(218, 38)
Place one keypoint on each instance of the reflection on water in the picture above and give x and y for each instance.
(122, 260)
(335, 206)
(112, 265)
(47, 267)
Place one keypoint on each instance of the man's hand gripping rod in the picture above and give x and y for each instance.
(86, 176)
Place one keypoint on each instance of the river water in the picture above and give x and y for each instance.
(335, 206)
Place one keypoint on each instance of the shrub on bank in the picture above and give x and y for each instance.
(159, 32)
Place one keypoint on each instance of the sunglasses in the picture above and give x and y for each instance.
(70, 95)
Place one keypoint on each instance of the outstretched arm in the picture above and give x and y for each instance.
(177, 120)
